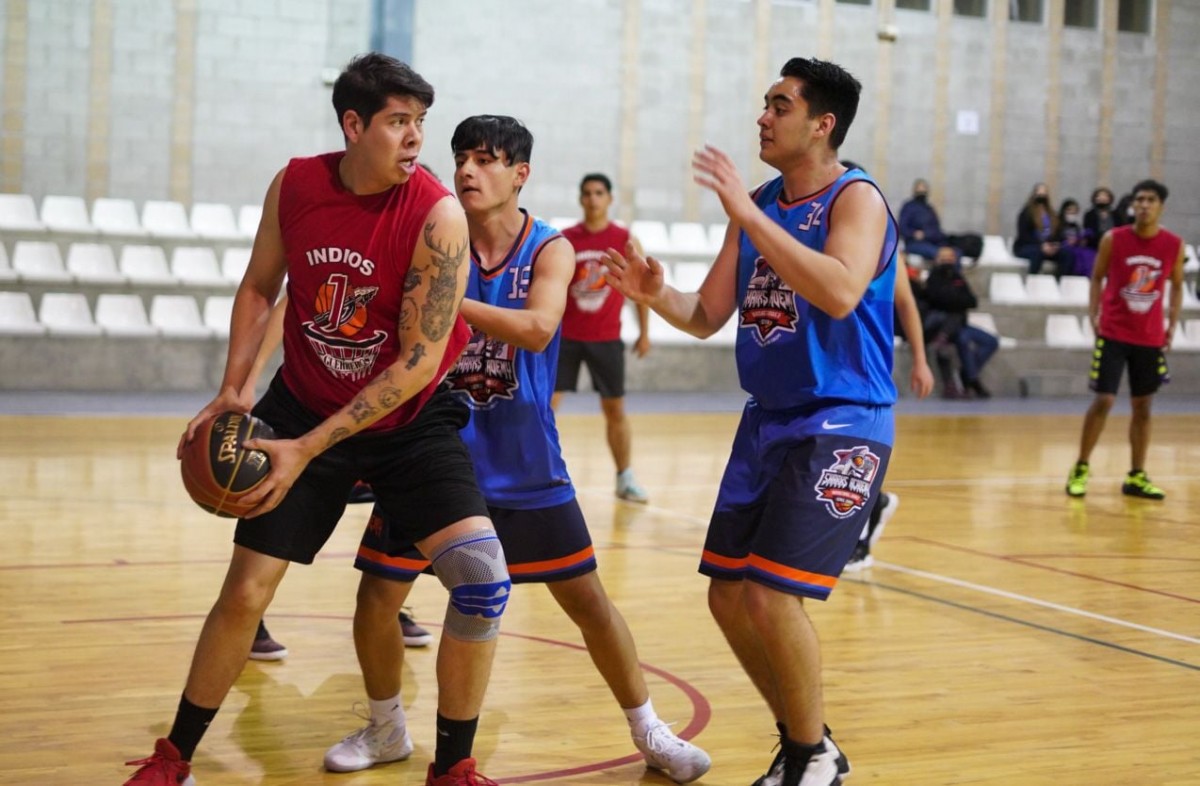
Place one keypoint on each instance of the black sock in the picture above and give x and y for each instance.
(190, 724)
(455, 738)
(262, 631)
(798, 751)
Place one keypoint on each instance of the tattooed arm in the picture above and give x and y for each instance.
(534, 326)
(437, 279)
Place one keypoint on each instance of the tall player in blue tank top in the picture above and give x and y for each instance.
(515, 300)
(807, 268)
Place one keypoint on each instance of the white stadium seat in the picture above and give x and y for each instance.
(716, 236)
(178, 316)
(987, 323)
(995, 252)
(18, 213)
(218, 310)
(1042, 290)
(689, 239)
(1191, 263)
(1063, 330)
(6, 271)
(166, 219)
(562, 222)
(67, 215)
(1074, 290)
(249, 217)
(146, 265)
(213, 221)
(67, 314)
(123, 315)
(690, 275)
(35, 260)
(653, 237)
(17, 317)
(234, 262)
(93, 263)
(1007, 288)
(116, 217)
(197, 266)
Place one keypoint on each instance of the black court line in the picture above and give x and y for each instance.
(1034, 625)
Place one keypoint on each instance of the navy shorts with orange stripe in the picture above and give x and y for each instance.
(795, 496)
(540, 545)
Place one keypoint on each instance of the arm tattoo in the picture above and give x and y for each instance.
(417, 353)
(337, 436)
(412, 280)
(362, 409)
(389, 397)
(437, 315)
(408, 313)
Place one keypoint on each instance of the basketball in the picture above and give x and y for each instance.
(217, 471)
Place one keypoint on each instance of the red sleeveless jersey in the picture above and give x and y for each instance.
(593, 310)
(1131, 306)
(347, 258)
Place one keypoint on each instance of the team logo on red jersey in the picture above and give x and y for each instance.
(339, 316)
(846, 486)
(485, 372)
(1141, 291)
(769, 307)
(590, 288)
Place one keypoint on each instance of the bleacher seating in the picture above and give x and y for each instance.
(996, 253)
(67, 314)
(249, 217)
(689, 275)
(1063, 330)
(66, 215)
(1075, 290)
(17, 317)
(117, 217)
(234, 262)
(146, 265)
(214, 222)
(6, 271)
(1191, 263)
(1007, 288)
(562, 222)
(18, 213)
(716, 236)
(1042, 290)
(178, 316)
(987, 323)
(197, 266)
(93, 263)
(166, 220)
(123, 315)
(218, 310)
(39, 261)
(653, 237)
(689, 239)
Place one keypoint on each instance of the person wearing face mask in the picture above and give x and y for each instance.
(1099, 218)
(1037, 233)
(922, 232)
(1073, 237)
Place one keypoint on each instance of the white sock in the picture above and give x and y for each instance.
(641, 718)
(625, 477)
(387, 710)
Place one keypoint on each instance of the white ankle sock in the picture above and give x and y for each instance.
(387, 710)
(625, 476)
(641, 718)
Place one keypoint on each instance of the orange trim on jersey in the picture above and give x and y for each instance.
(527, 568)
(402, 563)
(526, 228)
(791, 574)
(721, 561)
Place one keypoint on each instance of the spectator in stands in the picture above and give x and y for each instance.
(1072, 235)
(921, 228)
(1037, 230)
(1123, 212)
(948, 297)
(1099, 218)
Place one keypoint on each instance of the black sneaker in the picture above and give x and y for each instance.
(822, 765)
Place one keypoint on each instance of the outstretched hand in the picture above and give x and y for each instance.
(714, 170)
(636, 277)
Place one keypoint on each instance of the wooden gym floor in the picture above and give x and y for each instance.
(1007, 634)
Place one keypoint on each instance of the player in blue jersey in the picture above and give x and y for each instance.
(807, 268)
(517, 293)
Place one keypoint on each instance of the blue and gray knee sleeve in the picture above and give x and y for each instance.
(472, 567)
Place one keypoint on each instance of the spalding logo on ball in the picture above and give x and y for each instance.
(218, 472)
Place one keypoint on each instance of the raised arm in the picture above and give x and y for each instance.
(433, 289)
(534, 326)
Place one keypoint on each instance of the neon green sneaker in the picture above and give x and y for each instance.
(1138, 485)
(1077, 482)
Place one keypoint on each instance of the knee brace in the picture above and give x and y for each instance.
(472, 567)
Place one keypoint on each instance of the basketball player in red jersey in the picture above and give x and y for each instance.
(375, 252)
(591, 326)
(1133, 265)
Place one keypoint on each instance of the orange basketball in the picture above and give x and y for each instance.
(353, 323)
(217, 471)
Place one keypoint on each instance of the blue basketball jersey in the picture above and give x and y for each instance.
(512, 436)
(791, 354)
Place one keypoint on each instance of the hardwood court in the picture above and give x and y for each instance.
(1007, 634)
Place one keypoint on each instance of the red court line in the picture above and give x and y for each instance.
(1027, 563)
(701, 709)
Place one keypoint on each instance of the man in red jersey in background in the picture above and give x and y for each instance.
(376, 256)
(591, 326)
(1133, 264)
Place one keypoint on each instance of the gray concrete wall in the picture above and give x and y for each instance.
(245, 80)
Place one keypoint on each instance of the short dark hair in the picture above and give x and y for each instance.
(1152, 185)
(596, 177)
(369, 80)
(829, 89)
(498, 133)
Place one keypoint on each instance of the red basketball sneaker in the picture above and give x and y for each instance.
(461, 774)
(164, 768)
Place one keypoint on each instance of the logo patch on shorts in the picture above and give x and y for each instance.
(846, 486)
